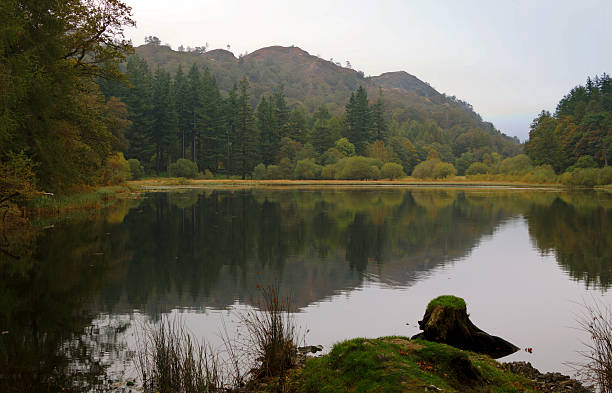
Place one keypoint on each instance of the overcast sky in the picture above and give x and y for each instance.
(508, 59)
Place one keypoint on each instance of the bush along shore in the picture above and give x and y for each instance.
(169, 361)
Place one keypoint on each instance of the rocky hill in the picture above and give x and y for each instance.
(311, 81)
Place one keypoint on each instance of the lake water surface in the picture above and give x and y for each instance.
(356, 262)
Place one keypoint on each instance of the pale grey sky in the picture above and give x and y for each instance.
(509, 59)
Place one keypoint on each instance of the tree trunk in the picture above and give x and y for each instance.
(452, 326)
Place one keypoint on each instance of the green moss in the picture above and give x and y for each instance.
(448, 301)
(398, 364)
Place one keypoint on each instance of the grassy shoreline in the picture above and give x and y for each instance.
(92, 199)
(153, 183)
(98, 198)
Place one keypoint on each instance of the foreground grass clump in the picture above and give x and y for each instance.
(447, 301)
(170, 361)
(264, 354)
(398, 364)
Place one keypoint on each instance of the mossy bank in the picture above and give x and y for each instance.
(399, 364)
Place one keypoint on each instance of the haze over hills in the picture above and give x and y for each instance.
(311, 81)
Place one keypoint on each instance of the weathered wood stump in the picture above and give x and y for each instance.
(446, 321)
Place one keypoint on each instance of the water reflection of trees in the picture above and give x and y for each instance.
(47, 283)
(577, 228)
(208, 249)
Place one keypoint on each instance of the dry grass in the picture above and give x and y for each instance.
(271, 335)
(458, 181)
(170, 361)
(596, 320)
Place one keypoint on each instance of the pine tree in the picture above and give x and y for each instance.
(245, 138)
(210, 147)
(140, 108)
(181, 98)
(379, 123)
(359, 120)
(281, 112)
(321, 136)
(297, 125)
(230, 115)
(165, 120)
(194, 109)
(269, 139)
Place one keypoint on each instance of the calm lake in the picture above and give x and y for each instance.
(356, 262)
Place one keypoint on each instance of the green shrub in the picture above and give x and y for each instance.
(286, 167)
(391, 170)
(477, 168)
(274, 172)
(331, 156)
(424, 170)
(183, 168)
(373, 173)
(605, 176)
(541, 174)
(136, 169)
(307, 169)
(116, 169)
(587, 177)
(17, 175)
(584, 162)
(359, 168)
(259, 172)
(329, 172)
(433, 169)
(345, 147)
(516, 165)
(581, 177)
(444, 170)
(463, 163)
(207, 174)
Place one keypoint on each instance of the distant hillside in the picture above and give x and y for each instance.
(311, 81)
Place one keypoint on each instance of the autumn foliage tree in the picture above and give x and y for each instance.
(581, 126)
(51, 110)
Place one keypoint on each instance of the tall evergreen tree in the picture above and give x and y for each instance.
(210, 149)
(269, 139)
(165, 120)
(140, 107)
(297, 125)
(379, 123)
(321, 136)
(358, 118)
(181, 99)
(230, 114)
(194, 109)
(281, 112)
(245, 138)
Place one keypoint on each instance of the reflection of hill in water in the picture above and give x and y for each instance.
(197, 249)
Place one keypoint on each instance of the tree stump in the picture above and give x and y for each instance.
(446, 321)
